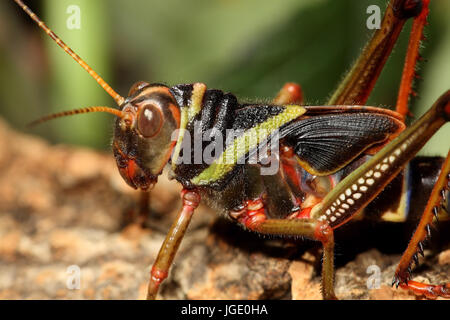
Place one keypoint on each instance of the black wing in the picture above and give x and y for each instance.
(326, 141)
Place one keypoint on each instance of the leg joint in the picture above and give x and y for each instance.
(408, 8)
(158, 275)
(323, 232)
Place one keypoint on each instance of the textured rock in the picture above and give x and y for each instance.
(444, 257)
(62, 206)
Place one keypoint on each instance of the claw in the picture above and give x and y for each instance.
(420, 249)
(428, 228)
(395, 282)
(436, 213)
(416, 259)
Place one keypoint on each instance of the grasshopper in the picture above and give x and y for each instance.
(330, 161)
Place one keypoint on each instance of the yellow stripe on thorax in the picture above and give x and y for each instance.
(196, 100)
(240, 146)
(187, 114)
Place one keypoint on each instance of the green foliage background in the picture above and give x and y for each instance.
(248, 47)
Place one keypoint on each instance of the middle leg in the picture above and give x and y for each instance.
(254, 218)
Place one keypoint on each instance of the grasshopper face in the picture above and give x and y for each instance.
(142, 142)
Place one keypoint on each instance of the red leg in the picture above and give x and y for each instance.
(430, 291)
(415, 246)
(291, 93)
(412, 55)
(160, 269)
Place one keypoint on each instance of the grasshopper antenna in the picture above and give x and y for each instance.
(113, 111)
(118, 98)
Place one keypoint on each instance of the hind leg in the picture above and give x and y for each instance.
(435, 203)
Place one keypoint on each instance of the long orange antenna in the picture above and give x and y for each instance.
(119, 99)
(113, 111)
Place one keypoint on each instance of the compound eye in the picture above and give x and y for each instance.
(150, 121)
(136, 87)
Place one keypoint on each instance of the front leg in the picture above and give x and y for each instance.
(161, 266)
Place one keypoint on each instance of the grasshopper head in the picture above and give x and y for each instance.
(142, 141)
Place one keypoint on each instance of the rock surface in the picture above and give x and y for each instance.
(66, 210)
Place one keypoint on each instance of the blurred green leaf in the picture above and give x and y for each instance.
(71, 86)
